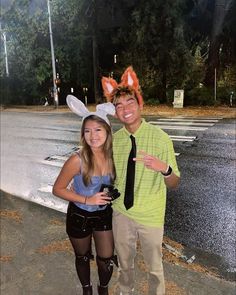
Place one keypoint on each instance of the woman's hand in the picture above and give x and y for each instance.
(100, 198)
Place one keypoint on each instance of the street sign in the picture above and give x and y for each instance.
(178, 99)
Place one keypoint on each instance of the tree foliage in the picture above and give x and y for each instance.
(171, 44)
(156, 35)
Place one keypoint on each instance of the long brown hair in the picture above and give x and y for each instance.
(86, 153)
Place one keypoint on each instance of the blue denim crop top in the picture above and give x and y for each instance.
(90, 190)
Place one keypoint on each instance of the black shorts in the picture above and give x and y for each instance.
(81, 223)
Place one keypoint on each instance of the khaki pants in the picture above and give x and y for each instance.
(126, 232)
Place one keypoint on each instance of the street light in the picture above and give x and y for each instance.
(55, 92)
(215, 78)
(85, 90)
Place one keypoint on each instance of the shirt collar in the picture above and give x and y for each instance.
(138, 131)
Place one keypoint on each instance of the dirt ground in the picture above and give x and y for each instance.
(205, 111)
(160, 110)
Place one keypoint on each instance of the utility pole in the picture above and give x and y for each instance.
(5, 98)
(95, 54)
(4, 38)
(55, 91)
(215, 84)
(95, 68)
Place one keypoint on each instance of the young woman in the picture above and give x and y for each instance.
(89, 212)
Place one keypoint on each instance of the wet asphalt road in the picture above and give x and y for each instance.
(200, 214)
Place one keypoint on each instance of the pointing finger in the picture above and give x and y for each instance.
(139, 159)
(142, 153)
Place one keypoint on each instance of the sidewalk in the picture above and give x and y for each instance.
(36, 258)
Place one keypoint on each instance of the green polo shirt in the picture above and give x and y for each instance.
(149, 189)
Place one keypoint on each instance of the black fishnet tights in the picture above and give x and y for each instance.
(104, 245)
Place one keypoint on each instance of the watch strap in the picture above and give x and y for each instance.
(168, 172)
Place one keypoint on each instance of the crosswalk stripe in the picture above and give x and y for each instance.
(183, 137)
(46, 189)
(60, 158)
(185, 123)
(188, 120)
(59, 164)
(170, 127)
(52, 202)
(52, 163)
(193, 118)
(180, 123)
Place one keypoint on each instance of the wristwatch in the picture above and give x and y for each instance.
(168, 172)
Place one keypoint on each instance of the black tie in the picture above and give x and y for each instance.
(130, 176)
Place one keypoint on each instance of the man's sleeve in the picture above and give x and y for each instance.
(171, 158)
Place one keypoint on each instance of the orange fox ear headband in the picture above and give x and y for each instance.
(128, 80)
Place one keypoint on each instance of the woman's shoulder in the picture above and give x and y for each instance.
(74, 161)
(75, 156)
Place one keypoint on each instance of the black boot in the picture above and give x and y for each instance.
(103, 290)
(87, 290)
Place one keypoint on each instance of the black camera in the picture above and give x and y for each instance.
(110, 190)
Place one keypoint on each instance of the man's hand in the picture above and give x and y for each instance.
(157, 165)
(151, 162)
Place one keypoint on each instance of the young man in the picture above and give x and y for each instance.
(139, 212)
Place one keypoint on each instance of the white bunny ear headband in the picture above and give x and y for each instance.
(102, 110)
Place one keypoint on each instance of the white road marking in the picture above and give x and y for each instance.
(51, 202)
(60, 158)
(183, 137)
(46, 188)
(52, 163)
(189, 120)
(171, 127)
(183, 123)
